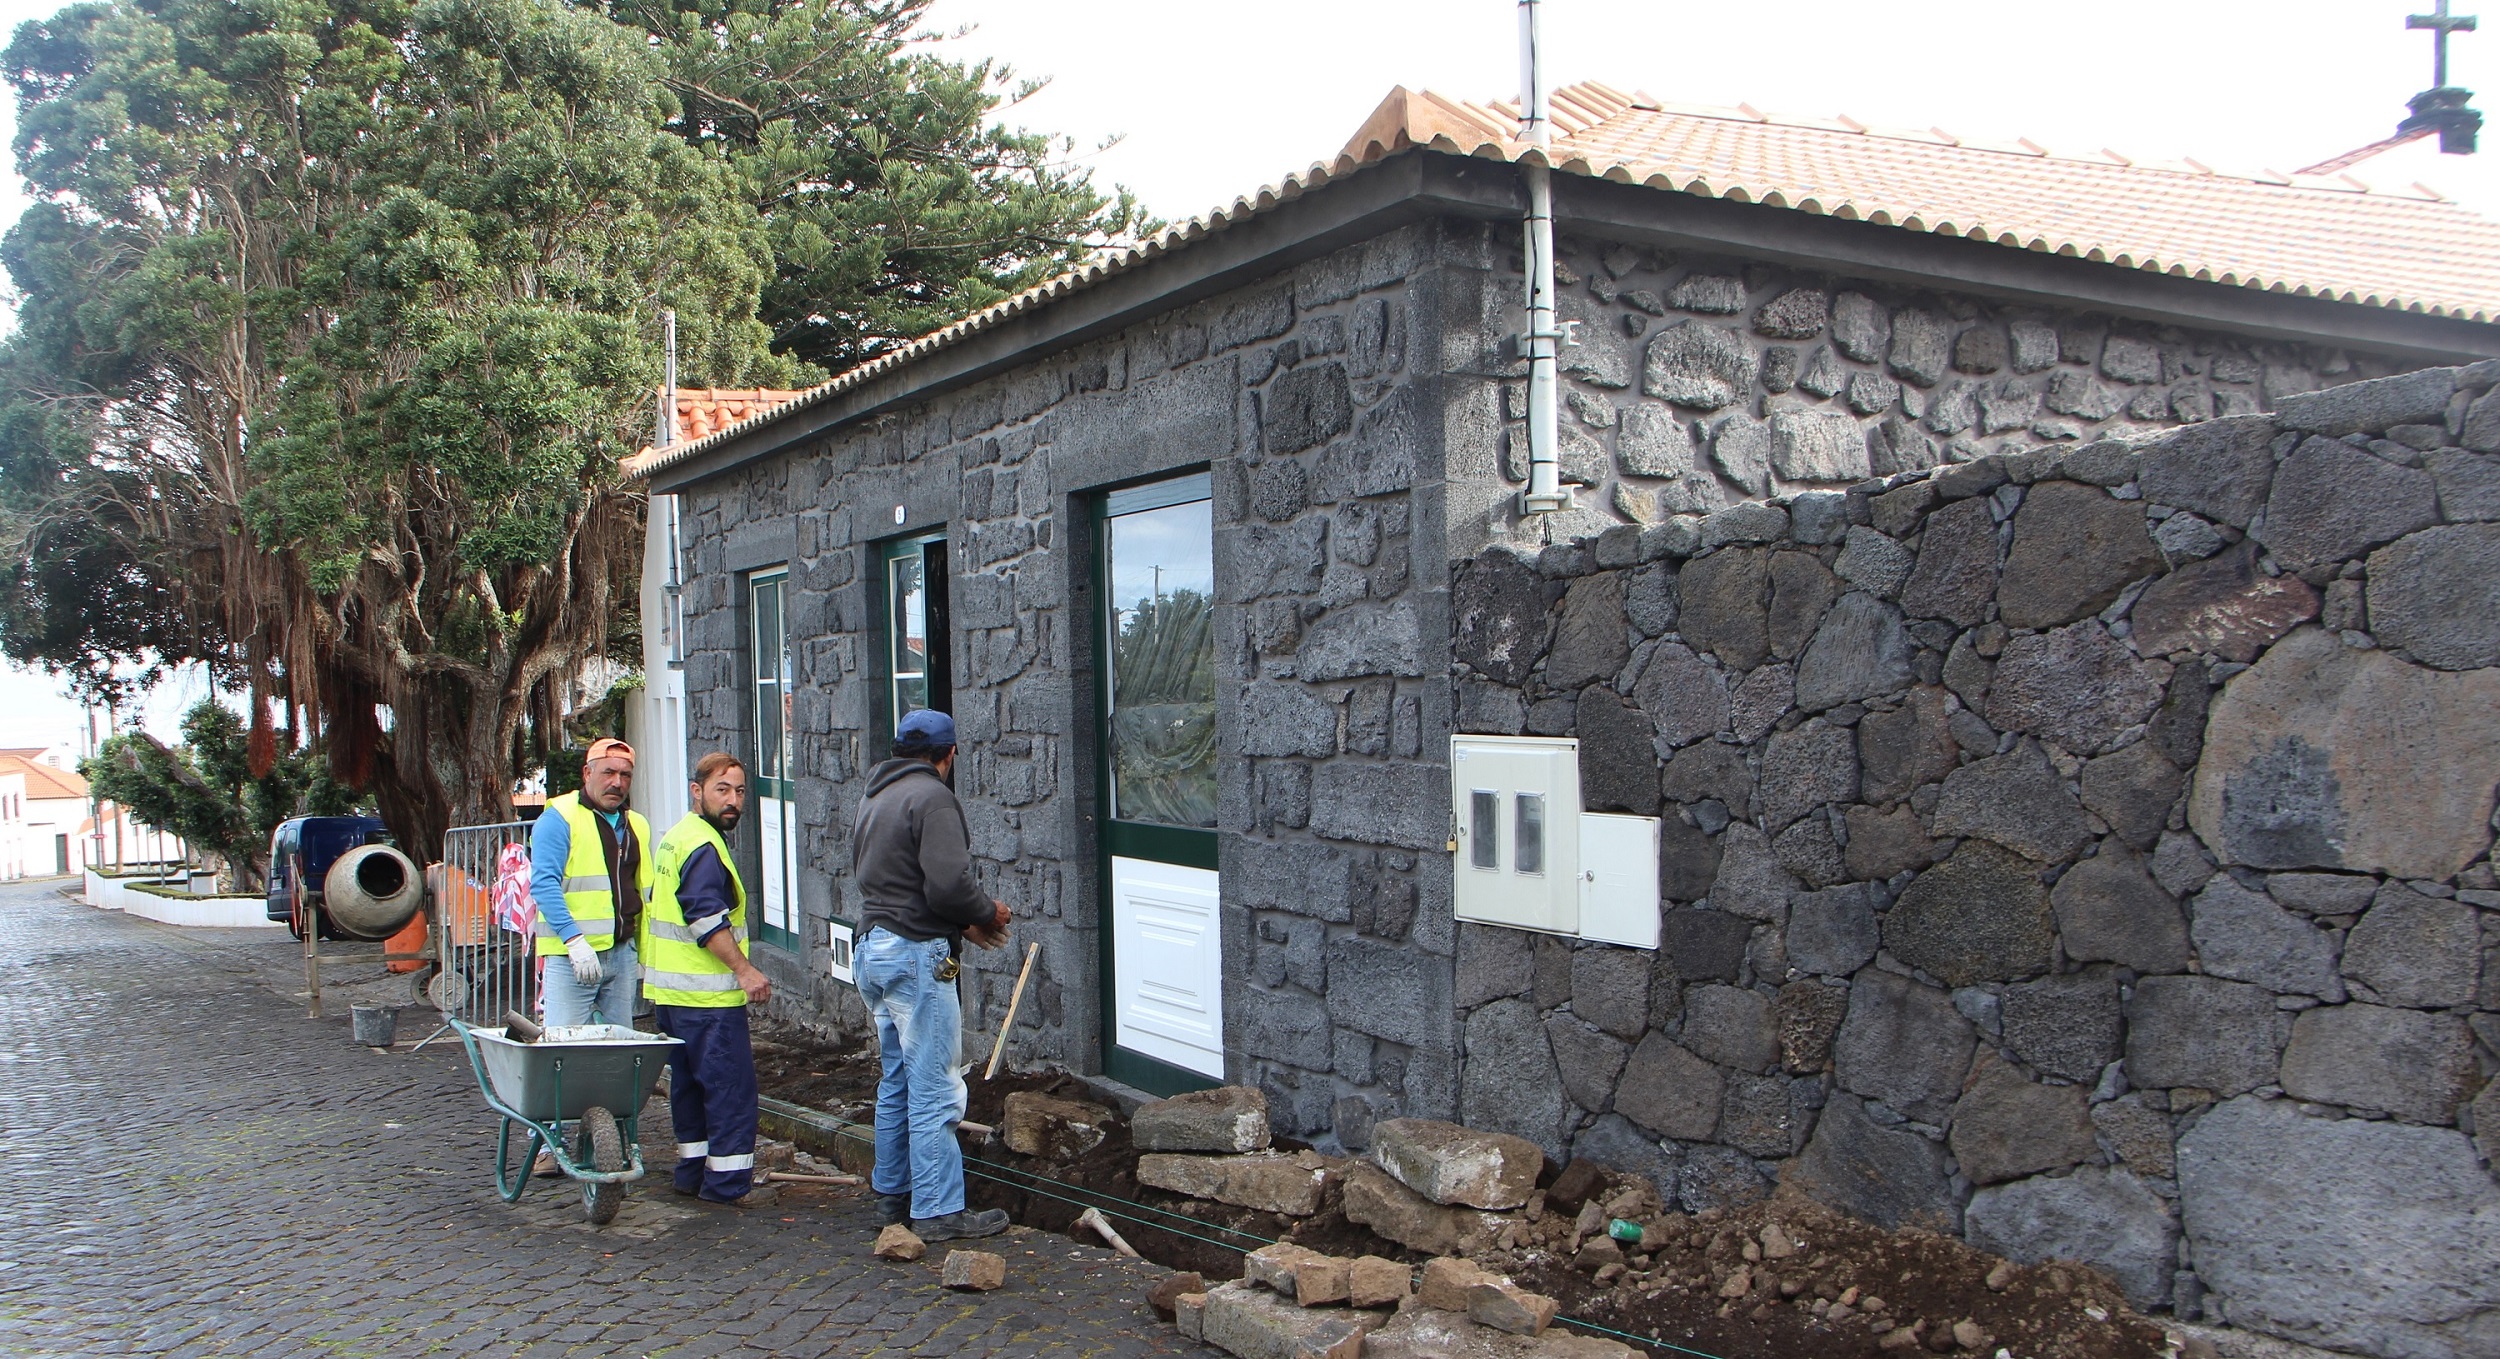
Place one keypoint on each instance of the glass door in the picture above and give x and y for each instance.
(1163, 964)
(774, 788)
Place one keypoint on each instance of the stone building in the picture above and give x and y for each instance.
(2046, 602)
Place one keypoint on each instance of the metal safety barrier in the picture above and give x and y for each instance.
(488, 965)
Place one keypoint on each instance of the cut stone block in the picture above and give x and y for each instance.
(1374, 1282)
(1231, 1118)
(1273, 1266)
(1322, 1282)
(1376, 1200)
(1422, 1333)
(1446, 1281)
(1461, 1166)
(1506, 1306)
(1271, 1182)
(1165, 1296)
(898, 1242)
(1250, 1324)
(1051, 1128)
(973, 1271)
(1189, 1313)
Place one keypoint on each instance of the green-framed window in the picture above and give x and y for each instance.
(913, 631)
(774, 784)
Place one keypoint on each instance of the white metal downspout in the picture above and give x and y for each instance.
(1545, 492)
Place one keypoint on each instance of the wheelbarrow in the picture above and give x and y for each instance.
(594, 1077)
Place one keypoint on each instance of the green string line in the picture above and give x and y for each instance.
(846, 1128)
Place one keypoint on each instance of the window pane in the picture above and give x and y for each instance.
(910, 693)
(1529, 854)
(910, 624)
(1162, 576)
(1484, 828)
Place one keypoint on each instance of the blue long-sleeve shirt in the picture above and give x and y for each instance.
(551, 844)
(703, 893)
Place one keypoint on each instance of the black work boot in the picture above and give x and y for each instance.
(894, 1209)
(960, 1226)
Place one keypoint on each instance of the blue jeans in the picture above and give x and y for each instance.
(920, 1096)
(620, 985)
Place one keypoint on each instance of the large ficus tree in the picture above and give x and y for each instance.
(337, 316)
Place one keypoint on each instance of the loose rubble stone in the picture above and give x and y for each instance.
(2323, 756)
(1453, 1165)
(2109, 909)
(1227, 1118)
(2016, 800)
(1505, 1306)
(2416, 1066)
(1725, 605)
(1861, 651)
(2065, 1025)
(1446, 1282)
(1981, 915)
(1669, 1091)
(973, 1271)
(2107, 1219)
(2139, 1134)
(2203, 1033)
(2075, 547)
(2224, 605)
(2221, 469)
(1510, 1083)
(2418, 397)
(1902, 1043)
(1052, 1128)
(1701, 366)
(1250, 1324)
(2436, 595)
(1956, 575)
(1374, 1200)
(2076, 686)
(2244, 936)
(1833, 931)
(2133, 791)
(1273, 1266)
(898, 1242)
(2332, 501)
(1374, 1282)
(1323, 1282)
(1888, 1176)
(2005, 1127)
(2415, 950)
(1165, 1296)
(1272, 1182)
(1731, 1026)
(2278, 1208)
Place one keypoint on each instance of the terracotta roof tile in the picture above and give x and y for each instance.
(704, 411)
(42, 780)
(2310, 236)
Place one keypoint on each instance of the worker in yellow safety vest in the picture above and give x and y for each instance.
(590, 873)
(695, 969)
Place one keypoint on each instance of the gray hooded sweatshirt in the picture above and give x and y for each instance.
(912, 855)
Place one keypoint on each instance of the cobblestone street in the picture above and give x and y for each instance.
(203, 1171)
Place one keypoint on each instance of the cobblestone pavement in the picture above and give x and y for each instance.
(203, 1171)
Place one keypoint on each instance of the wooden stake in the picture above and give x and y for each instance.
(1031, 952)
(1093, 1218)
(792, 1177)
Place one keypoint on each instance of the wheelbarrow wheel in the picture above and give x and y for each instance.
(603, 1146)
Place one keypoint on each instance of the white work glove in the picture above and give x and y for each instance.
(586, 969)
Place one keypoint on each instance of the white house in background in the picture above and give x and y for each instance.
(46, 819)
(655, 723)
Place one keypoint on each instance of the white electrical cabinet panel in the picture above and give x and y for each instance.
(1515, 808)
(1523, 854)
(1619, 879)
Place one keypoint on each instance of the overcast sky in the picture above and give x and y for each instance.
(1210, 101)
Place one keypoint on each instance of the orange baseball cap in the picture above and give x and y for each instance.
(609, 748)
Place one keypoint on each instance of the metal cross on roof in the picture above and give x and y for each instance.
(2441, 23)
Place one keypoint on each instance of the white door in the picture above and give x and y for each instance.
(1169, 989)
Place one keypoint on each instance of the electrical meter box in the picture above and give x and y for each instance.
(1524, 855)
(1515, 807)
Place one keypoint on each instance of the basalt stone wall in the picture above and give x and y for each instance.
(2086, 849)
(1299, 395)
(1701, 382)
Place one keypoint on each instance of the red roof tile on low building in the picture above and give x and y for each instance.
(703, 411)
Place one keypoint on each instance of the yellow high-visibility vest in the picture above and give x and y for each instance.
(588, 894)
(675, 969)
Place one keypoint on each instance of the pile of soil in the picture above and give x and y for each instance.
(1844, 1289)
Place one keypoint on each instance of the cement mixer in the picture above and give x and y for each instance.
(371, 892)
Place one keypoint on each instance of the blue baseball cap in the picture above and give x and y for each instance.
(925, 726)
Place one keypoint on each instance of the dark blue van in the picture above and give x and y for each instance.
(303, 850)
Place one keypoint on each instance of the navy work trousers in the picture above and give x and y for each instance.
(711, 1099)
